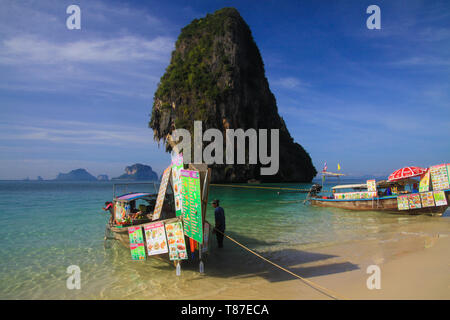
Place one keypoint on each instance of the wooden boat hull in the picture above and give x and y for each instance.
(385, 204)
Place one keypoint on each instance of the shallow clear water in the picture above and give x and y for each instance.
(48, 226)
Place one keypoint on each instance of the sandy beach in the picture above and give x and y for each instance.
(414, 262)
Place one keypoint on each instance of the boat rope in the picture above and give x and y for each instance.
(313, 285)
(256, 187)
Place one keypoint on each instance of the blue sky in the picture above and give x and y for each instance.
(372, 100)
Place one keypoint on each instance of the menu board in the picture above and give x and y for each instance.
(161, 193)
(119, 211)
(137, 246)
(155, 235)
(355, 195)
(175, 240)
(427, 199)
(371, 186)
(177, 165)
(192, 204)
(425, 182)
(439, 177)
(439, 198)
(137, 251)
(136, 235)
(402, 203)
(414, 201)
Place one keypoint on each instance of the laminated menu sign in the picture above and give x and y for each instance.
(427, 199)
(424, 184)
(155, 235)
(161, 193)
(177, 165)
(137, 251)
(402, 203)
(175, 240)
(355, 195)
(439, 177)
(414, 201)
(371, 186)
(135, 234)
(192, 204)
(439, 198)
(119, 211)
(137, 246)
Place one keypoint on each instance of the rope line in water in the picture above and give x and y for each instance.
(313, 285)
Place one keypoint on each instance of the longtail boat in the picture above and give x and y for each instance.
(399, 194)
(138, 210)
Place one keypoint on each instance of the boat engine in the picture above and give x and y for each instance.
(315, 189)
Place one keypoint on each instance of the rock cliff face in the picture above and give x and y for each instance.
(138, 172)
(76, 175)
(216, 75)
(102, 177)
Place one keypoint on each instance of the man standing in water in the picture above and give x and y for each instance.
(219, 215)
(109, 207)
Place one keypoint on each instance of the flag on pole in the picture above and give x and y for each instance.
(339, 167)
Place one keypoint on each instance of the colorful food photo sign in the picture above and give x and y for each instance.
(371, 186)
(137, 251)
(155, 235)
(355, 195)
(137, 246)
(119, 212)
(402, 203)
(414, 201)
(424, 184)
(439, 177)
(427, 199)
(177, 165)
(439, 198)
(175, 241)
(192, 204)
(161, 193)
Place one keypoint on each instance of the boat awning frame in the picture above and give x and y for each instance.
(132, 196)
(351, 186)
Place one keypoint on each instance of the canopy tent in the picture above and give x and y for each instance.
(132, 196)
(406, 172)
(332, 174)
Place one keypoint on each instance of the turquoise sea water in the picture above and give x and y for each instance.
(48, 226)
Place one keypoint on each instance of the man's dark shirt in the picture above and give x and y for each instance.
(219, 214)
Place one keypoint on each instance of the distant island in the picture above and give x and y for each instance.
(138, 171)
(76, 175)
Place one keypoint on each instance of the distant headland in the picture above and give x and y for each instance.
(136, 171)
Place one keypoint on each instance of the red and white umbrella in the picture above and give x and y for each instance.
(406, 172)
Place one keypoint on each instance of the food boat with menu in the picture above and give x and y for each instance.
(409, 190)
(168, 224)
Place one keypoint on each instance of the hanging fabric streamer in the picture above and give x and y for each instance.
(192, 245)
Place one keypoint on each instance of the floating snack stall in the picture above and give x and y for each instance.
(397, 194)
(169, 224)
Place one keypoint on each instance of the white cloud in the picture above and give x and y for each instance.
(79, 133)
(291, 83)
(31, 49)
